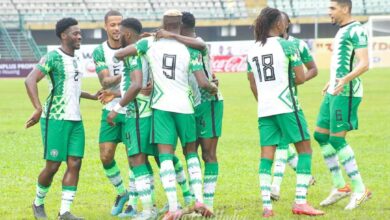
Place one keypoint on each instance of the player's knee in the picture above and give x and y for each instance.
(209, 157)
(74, 163)
(53, 168)
(337, 142)
(321, 138)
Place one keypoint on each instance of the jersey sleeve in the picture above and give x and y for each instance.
(195, 60)
(291, 52)
(99, 59)
(142, 46)
(46, 63)
(304, 52)
(249, 68)
(359, 37)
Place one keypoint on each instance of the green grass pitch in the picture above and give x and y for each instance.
(238, 195)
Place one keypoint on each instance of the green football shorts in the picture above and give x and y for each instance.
(339, 113)
(167, 126)
(62, 138)
(208, 117)
(110, 133)
(137, 136)
(283, 129)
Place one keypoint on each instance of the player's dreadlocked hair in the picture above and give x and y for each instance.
(347, 3)
(188, 19)
(264, 22)
(133, 24)
(64, 24)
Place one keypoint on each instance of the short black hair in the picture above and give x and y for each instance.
(188, 19)
(111, 13)
(132, 23)
(347, 3)
(64, 24)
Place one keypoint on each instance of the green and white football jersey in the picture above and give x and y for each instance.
(103, 58)
(171, 63)
(208, 71)
(140, 107)
(64, 76)
(272, 65)
(349, 38)
(303, 49)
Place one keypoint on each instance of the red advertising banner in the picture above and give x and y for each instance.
(228, 64)
(15, 68)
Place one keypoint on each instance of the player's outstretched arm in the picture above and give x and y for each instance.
(31, 83)
(188, 41)
(129, 50)
(131, 93)
(360, 68)
(300, 76)
(204, 83)
(87, 95)
(312, 70)
(107, 96)
(252, 84)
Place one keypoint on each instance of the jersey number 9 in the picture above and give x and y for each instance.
(169, 66)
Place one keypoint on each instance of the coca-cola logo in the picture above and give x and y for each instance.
(229, 63)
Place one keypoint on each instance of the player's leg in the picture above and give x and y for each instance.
(294, 130)
(270, 136)
(163, 134)
(292, 157)
(109, 137)
(321, 135)
(54, 153)
(181, 179)
(70, 180)
(212, 114)
(281, 155)
(345, 119)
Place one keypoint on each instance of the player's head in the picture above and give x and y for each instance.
(69, 32)
(287, 22)
(188, 23)
(172, 20)
(339, 10)
(130, 30)
(268, 20)
(112, 21)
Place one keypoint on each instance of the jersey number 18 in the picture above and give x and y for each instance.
(268, 69)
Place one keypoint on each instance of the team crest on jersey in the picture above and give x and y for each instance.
(54, 153)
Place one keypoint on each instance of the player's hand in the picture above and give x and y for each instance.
(213, 89)
(146, 91)
(106, 96)
(323, 92)
(163, 34)
(110, 118)
(146, 34)
(34, 118)
(97, 94)
(215, 80)
(340, 82)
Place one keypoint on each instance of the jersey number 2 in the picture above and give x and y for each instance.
(268, 70)
(169, 66)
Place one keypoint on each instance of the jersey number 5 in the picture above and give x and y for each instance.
(169, 66)
(268, 70)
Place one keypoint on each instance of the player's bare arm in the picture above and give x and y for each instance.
(129, 50)
(360, 68)
(300, 75)
(87, 95)
(204, 83)
(312, 70)
(252, 84)
(188, 41)
(130, 95)
(108, 81)
(107, 96)
(32, 90)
